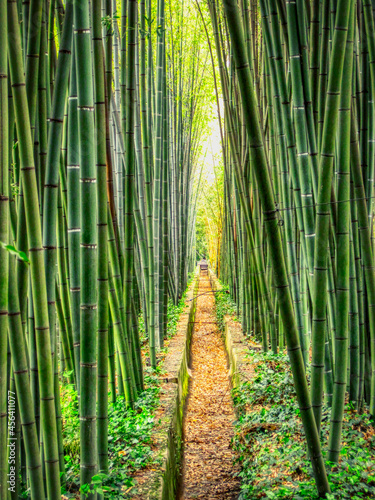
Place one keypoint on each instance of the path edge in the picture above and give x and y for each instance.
(236, 344)
(163, 483)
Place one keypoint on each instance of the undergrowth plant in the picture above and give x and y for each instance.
(224, 305)
(129, 438)
(270, 445)
(129, 430)
(269, 438)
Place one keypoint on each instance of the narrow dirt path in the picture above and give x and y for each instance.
(208, 471)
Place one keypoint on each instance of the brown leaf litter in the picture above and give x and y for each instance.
(208, 470)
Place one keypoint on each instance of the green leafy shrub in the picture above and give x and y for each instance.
(129, 431)
(129, 437)
(270, 443)
(224, 306)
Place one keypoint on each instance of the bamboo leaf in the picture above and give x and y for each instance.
(13, 250)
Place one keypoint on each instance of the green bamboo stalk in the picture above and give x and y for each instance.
(111, 360)
(21, 376)
(123, 62)
(89, 238)
(53, 165)
(74, 217)
(164, 211)
(130, 170)
(314, 55)
(323, 58)
(34, 374)
(64, 309)
(358, 291)
(281, 282)
(32, 58)
(123, 355)
(366, 249)
(148, 168)
(25, 25)
(100, 129)
(42, 112)
(323, 212)
(51, 47)
(285, 189)
(14, 494)
(63, 277)
(354, 346)
(4, 239)
(37, 269)
(343, 251)
(63, 337)
(158, 168)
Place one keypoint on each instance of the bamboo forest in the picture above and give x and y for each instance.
(187, 239)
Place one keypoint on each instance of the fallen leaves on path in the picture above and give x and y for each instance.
(208, 471)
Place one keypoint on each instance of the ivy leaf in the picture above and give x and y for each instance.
(99, 477)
